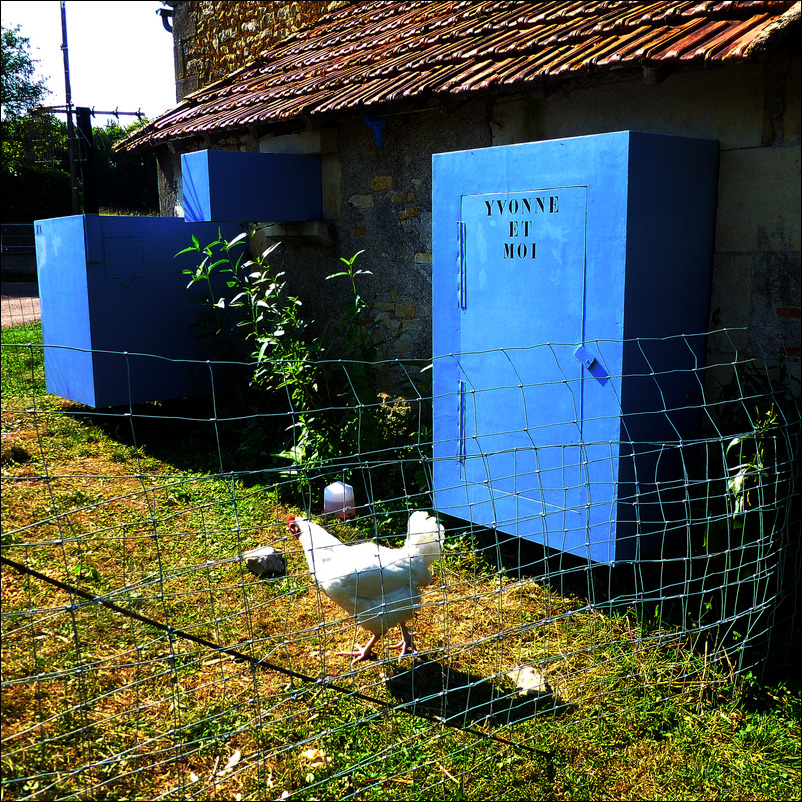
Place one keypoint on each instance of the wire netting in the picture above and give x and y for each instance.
(143, 659)
(17, 238)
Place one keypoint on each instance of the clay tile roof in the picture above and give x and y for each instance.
(374, 55)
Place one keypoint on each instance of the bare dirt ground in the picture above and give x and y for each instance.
(20, 303)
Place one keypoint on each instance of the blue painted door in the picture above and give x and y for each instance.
(522, 277)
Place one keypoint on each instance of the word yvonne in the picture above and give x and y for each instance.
(519, 230)
(541, 204)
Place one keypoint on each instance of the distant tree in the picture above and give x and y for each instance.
(35, 166)
(34, 193)
(127, 182)
(19, 92)
(35, 139)
(34, 146)
(36, 183)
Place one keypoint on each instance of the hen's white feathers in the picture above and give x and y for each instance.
(424, 536)
(378, 585)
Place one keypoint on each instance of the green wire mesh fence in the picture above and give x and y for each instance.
(142, 658)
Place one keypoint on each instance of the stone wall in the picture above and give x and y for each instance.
(215, 37)
(377, 195)
(378, 201)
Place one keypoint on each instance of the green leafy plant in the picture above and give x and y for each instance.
(215, 257)
(358, 339)
(754, 451)
(326, 385)
(758, 462)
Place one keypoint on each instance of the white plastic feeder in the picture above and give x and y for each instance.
(338, 499)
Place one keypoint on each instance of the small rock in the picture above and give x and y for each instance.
(381, 182)
(409, 211)
(529, 681)
(361, 201)
(406, 309)
(265, 562)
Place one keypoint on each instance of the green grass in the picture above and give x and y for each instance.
(99, 706)
(22, 372)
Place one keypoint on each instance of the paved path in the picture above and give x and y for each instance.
(20, 302)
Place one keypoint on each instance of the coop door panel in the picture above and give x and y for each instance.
(521, 292)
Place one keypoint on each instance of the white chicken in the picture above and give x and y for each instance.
(380, 586)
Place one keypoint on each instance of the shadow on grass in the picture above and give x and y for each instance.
(430, 688)
(191, 434)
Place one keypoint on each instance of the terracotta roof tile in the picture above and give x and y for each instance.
(373, 54)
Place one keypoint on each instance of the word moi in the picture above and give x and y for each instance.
(519, 229)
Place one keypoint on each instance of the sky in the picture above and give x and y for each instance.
(121, 57)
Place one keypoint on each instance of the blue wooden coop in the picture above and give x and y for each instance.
(117, 318)
(571, 296)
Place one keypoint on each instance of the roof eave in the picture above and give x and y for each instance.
(774, 32)
(157, 134)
